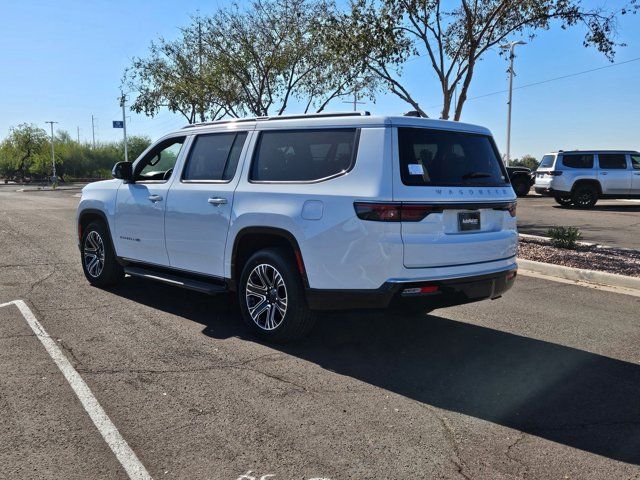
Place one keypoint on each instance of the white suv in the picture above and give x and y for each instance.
(313, 212)
(581, 177)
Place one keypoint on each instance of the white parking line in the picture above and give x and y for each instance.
(105, 426)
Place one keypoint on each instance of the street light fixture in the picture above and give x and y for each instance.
(511, 47)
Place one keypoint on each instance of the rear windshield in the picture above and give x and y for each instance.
(439, 158)
(547, 161)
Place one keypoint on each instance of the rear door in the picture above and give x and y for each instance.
(200, 203)
(457, 205)
(614, 173)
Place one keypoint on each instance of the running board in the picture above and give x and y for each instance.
(175, 280)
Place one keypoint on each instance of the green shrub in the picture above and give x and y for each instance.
(564, 237)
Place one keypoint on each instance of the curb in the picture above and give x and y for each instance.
(48, 189)
(586, 244)
(579, 274)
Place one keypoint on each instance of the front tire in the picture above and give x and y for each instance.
(98, 257)
(584, 196)
(271, 296)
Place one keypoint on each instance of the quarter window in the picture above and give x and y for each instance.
(578, 161)
(214, 156)
(303, 155)
(613, 161)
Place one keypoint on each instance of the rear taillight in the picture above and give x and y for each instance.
(378, 212)
(394, 211)
(510, 207)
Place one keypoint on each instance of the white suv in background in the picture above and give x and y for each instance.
(580, 178)
(304, 213)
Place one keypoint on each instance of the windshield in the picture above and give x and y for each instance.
(437, 157)
(547, 161)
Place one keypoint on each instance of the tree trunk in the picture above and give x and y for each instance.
(463, 92)
(446, 106)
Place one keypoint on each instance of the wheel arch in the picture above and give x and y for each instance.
(251, 239)
(89, 215)
(587, 181)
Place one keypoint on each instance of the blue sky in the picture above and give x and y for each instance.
(63, 61)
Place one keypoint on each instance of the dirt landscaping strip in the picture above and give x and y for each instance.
(589, 257)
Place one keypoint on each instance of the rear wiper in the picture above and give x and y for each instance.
(476, 175)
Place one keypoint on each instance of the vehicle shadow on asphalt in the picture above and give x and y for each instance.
(563, 394)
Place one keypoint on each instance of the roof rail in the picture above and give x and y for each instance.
(220, 122)
(318, 115)
(279, 117)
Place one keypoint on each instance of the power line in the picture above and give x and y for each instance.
(562, 77)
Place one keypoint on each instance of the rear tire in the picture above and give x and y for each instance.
(565, 201)
(584, 196)
(520, 186)
(272, 298)
(98, 256)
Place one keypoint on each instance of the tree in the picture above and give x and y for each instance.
(136, 145)
(252, 59)
(270, 54)
(528, 161)
(452, 37)
(175, 76)
(24, 151)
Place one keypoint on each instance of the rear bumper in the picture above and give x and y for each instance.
(449, 292)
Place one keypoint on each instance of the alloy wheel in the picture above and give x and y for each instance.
(94, 254)
(266, 296)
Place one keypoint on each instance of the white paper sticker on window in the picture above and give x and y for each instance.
(415, 169)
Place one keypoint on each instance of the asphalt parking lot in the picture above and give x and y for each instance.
(610, 222)
(543, 383)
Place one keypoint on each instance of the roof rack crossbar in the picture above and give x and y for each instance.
(278, 117)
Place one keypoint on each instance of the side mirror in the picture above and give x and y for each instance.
(123, 171)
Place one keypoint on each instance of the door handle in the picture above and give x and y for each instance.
(604, 173)
(636, 173)
(217, 201)
(155, 198)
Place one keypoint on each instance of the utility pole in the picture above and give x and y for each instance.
(123, 99)
(93, 131)
(78, 135)
(511, 47)
(54, 179)
(355, 101)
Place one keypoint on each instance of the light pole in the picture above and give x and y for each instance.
(123, 99)
(54, 179)
(511, 47)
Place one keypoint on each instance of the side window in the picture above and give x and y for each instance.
(612, 161)
(214, 156)
(635, 162)
(158, 164)
(303, 155)
(577, 161)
